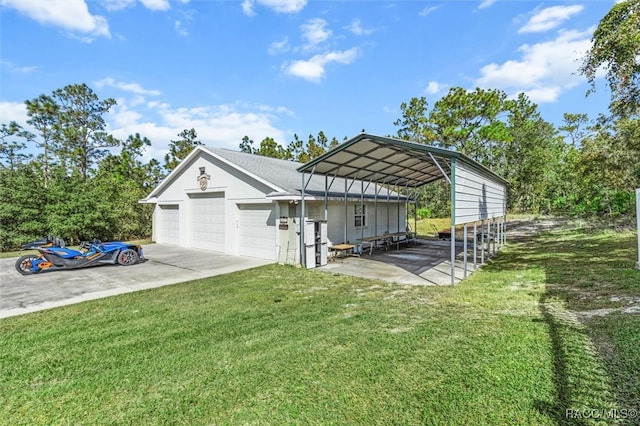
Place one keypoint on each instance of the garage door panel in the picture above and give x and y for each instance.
(257, 231)
(169, 224)
(207, 221)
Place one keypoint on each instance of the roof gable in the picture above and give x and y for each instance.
(280, 175)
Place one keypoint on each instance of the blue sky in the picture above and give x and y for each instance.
(273, 68)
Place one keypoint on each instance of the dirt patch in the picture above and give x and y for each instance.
(525, 228)
(521, 230)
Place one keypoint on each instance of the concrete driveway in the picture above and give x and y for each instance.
(166, 265)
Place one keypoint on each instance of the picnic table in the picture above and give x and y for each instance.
(341, 250)
(388, 240)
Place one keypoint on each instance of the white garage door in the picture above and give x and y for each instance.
(169, 224)
(207, 221)
(257, 231)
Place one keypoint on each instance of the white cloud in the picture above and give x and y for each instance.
(544, 94)
(180, 29)
(182, 25)
(279, 46)
(550, 18)
(134, 88)
(279, 6)
(544, 70)
(313, 69)
(486, 3)
(72, 15)
(314, 32)
(13, 111)
(115, 5)
(156, 4)
(356, 27)
(433, 88)
(427, 10)
(217, 125)
(123, 117)
(15, 69)
(221, 126)
(247, 7)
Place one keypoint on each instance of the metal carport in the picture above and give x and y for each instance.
(477, 193)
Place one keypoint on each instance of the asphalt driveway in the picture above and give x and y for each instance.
(166, 265)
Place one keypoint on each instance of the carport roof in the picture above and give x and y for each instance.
(388, 160)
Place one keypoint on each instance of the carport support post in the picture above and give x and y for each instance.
(504, 231)
(493, 233)
(490, 233)
(415, 217)
(475, 245)
(465, 250)
(482, 242)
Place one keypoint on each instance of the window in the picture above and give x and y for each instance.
(360, 215)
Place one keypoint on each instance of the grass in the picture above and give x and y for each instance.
(426, 228)
(280, 345)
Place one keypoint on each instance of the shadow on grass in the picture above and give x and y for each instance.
(583, 270)
(581, 382)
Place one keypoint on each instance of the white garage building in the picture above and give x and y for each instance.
(249, 205)
(245, 204)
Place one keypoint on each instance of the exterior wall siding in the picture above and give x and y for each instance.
(236, 186)
(386, 219)
(477, 196)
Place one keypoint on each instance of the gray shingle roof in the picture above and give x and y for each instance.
(283, 175)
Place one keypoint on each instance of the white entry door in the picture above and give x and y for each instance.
(257, 230)
(169, 224)
(207, 221)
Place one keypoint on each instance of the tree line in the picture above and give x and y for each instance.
(85, 183)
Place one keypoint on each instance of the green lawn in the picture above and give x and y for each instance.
(280, 345)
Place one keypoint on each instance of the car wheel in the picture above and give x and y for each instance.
(128, 257)
(23, 264)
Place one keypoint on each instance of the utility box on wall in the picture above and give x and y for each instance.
(288, 253)
(315, 243)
